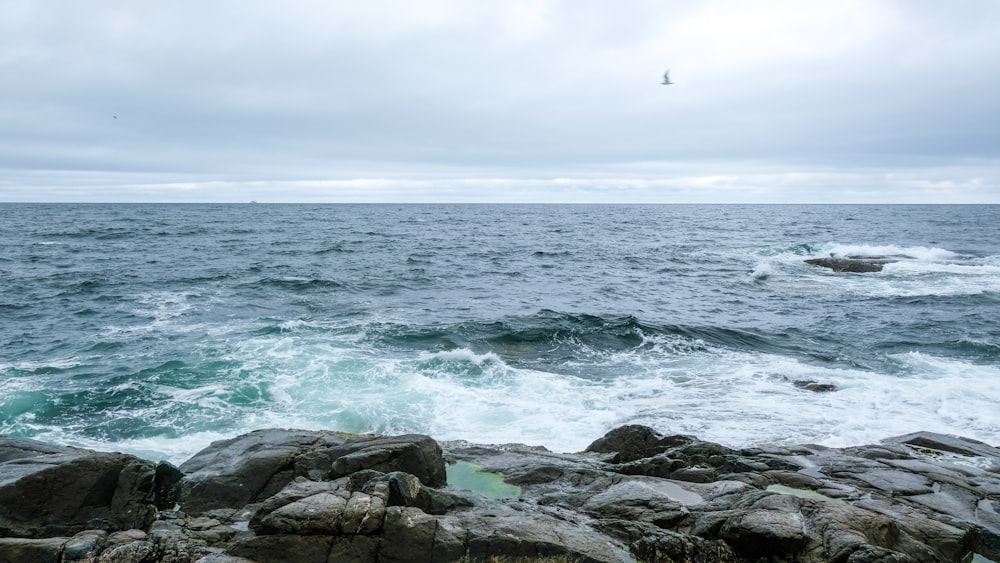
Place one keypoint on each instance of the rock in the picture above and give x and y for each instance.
(284, 548)
(407, 536)
(652, 543)
(854, 264)
(952, 444)
(127, 536)
(765, 533)
(84, 546)
(21, 550)
(644, 497)
(50, 491)
(318, 514)
(223, 558)
(166, 483)
(414, 454)
(634, 442)
(354, 549)
(814, 386)
(132, 552)
(252, 467)
(233, 473)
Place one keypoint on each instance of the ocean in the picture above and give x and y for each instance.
(155, 329)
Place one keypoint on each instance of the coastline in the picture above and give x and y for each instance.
(632, 495)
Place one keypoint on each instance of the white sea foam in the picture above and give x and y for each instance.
(673, 383)
(921, 253)
(912, 271)
(735, 398)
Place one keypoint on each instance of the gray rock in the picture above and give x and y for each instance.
(251, 468)
(412, 453)
(233, 473)
(84, 546)
(634, 442)
(318, 514)
(407, 536)
(48, 490)
(223, 558)
(166, 482)
(283, 548)
(953, 444)
(354, 549)
(132, 552)
(814, 386)
(21, 550)
(854, 264)
(636, 496)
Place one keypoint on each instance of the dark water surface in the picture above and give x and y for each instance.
(155, 329)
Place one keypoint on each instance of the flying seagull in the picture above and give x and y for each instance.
(666, 78)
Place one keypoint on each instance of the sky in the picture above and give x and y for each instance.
(773, 101)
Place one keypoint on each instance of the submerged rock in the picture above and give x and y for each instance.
(635, 495)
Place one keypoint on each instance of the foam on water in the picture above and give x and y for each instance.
(921, 253)
(677, 386)
(913, 271)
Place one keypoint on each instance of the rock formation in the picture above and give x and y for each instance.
(634, 495)
(854, 264)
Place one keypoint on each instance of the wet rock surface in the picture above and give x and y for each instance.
(634, 495)
(853, 264)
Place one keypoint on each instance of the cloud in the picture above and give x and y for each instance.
(242, 93)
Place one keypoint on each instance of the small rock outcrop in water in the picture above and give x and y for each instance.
(853, 264)
(814, 386)
(634, 495)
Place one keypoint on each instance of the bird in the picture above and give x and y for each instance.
(666, 78)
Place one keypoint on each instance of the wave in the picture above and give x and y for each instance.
(299, 284)
(307, 378)
(909, 271)
(917, 253)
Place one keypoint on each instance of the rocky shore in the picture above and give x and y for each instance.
(633, 495)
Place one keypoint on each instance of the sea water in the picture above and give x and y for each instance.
(156, 329)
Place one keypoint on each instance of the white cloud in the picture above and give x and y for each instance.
(240, 92)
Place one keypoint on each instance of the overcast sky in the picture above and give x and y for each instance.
(545, 100)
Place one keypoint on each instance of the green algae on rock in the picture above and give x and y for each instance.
(471, 477)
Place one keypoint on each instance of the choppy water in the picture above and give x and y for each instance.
(154, 329)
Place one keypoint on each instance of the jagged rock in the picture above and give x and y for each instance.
(284, 548)
(654, 544)
(407, 535)
(854, 264)
(636, 496)
(51, 491)
(412, 453)
(773, 526)
(22, 550)
(84, 546)
(223, 558)
(952, 444)
(634, 442)
(814, 386)
(131, 552)
(233, 473)
(250, 468)
(166, 482)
